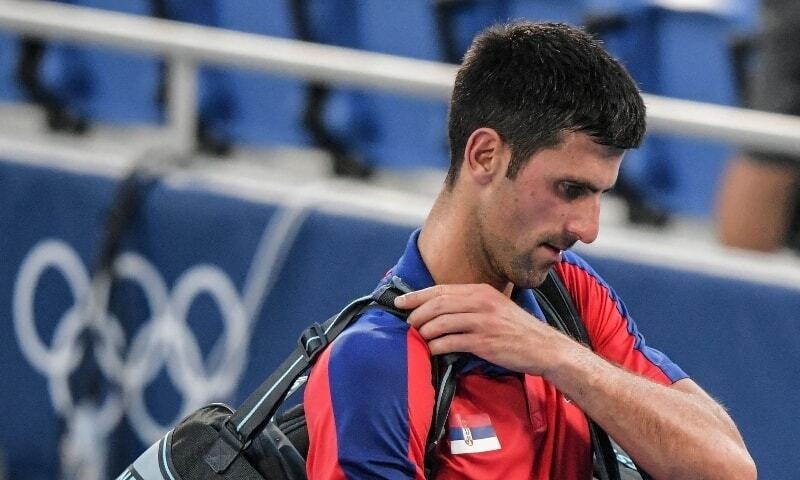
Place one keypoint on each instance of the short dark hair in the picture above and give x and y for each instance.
(534, 82)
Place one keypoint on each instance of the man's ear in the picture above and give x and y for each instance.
(485, 156)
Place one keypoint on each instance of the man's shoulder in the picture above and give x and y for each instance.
(379, 347)
(374, 333)
(571, 259)
(581, 280)
(574, 269)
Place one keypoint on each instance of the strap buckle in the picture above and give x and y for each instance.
(313, 341)
(385, 294)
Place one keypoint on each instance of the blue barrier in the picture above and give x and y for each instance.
(737, 339)
(242, 277)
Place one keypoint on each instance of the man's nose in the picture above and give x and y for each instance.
(584, 221)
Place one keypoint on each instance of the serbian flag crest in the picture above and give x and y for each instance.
(472, 434)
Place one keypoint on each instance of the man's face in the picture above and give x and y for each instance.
(553, 202)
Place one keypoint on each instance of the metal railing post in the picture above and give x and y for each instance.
(182, 107)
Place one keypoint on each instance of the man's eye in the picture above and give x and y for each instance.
(571, 191)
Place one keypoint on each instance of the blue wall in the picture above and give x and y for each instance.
(197, 253)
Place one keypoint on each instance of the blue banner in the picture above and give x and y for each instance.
(211, 290)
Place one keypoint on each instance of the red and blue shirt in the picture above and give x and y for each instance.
(370, 398)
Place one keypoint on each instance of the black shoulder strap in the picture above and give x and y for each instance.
(443, 371)
(554, 294)
(261, 405)
(560, 312)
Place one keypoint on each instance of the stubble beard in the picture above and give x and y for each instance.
(502, 262)
(526, 271)
(507, 264)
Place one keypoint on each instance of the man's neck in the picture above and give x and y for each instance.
(450, 248)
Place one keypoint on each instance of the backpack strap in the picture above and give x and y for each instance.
(560, 312)
(261, 405)
(443, 372)
(553, 295)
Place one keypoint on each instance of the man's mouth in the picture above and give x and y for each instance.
(555, 250)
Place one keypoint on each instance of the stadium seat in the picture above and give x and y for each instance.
(9, 54)
(467, 19)
(404, 132)
(343, 110)
(626, 29)
(690, 53)
(252, 107)
(567, 11)
(104, 84)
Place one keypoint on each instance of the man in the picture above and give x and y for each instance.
(539, 119)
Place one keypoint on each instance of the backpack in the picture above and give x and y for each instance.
(253, 443)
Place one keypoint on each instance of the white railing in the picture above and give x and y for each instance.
(185, 46)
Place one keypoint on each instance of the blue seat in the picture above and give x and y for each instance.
(344, 114)
(405, 132)
(567, 11)
(745, 14)
(253, 107)
(9, 55)
(469, 18)
(105, 84)
(401, 131)
(692, 60)
(630, 39)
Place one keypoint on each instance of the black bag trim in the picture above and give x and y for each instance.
(443, 371)
(261, 405)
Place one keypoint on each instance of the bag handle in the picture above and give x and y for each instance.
(261, 405)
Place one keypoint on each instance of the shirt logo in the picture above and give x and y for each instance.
(472, 434)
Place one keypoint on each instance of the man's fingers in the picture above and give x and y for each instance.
(443, 305)
(414, 299)
(457, 342)
(447, 324)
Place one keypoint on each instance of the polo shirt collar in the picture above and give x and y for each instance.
(412, 270)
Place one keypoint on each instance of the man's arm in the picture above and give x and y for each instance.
(673, 431)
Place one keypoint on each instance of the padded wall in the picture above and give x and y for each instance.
(241, 278)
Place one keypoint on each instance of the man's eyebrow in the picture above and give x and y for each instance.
(589, 185)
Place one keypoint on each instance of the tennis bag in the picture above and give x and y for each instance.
(253, 443)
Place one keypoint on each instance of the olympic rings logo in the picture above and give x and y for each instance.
(163, 342)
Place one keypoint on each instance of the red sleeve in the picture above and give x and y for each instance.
(612, 331)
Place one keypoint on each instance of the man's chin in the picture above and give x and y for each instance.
(531, 270)
(532, 279)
